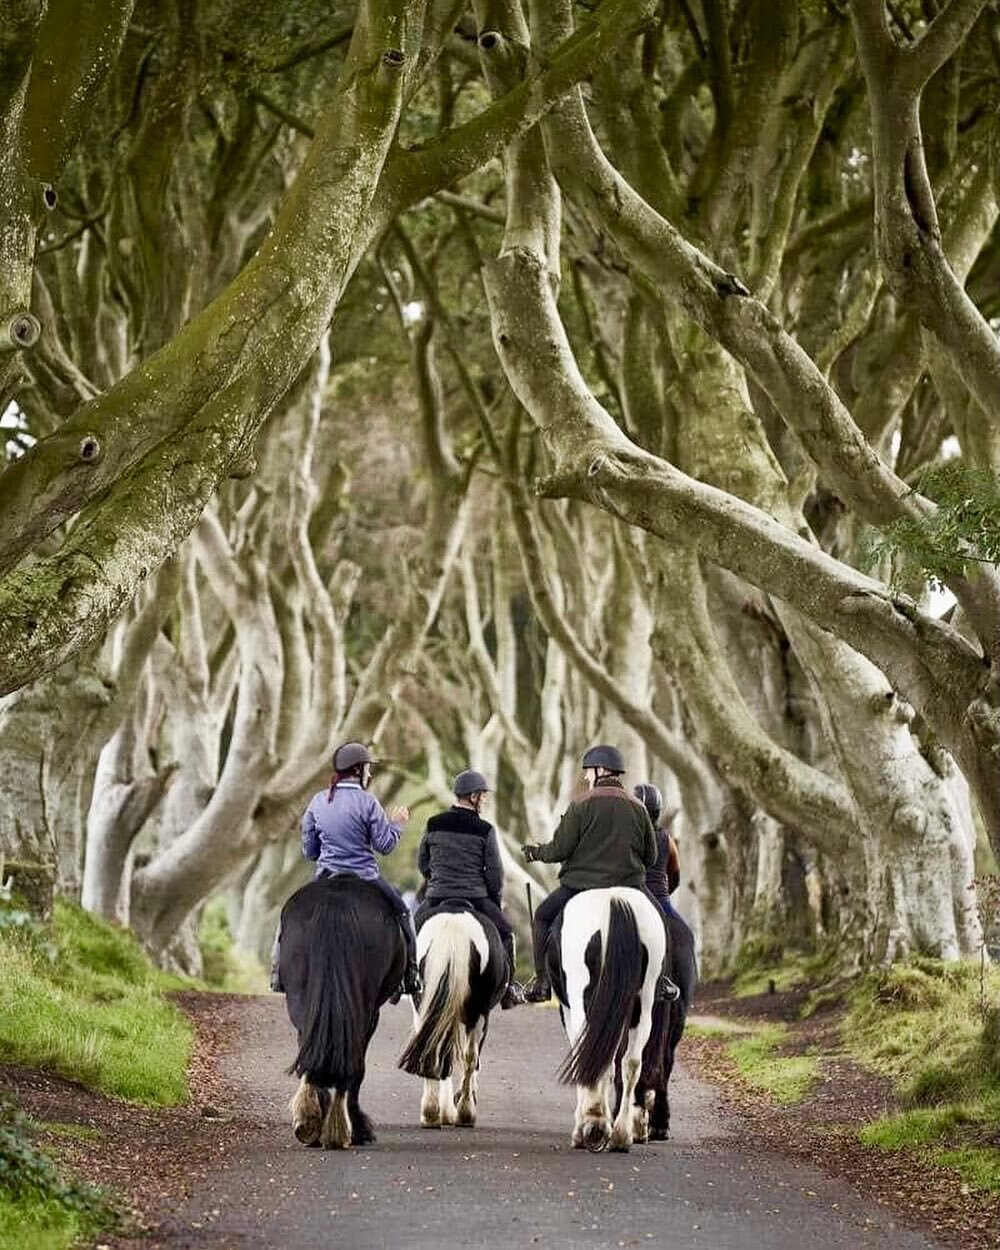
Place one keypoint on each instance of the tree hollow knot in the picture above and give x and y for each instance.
(24, 329)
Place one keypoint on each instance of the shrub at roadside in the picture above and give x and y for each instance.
(38, 1209)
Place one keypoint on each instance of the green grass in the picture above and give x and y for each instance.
(921, 1023)
(787, 1078)
(913, 1128)
(42, 1223)
(93, 1013)
(702, 1027)
(979, 1166)
(77, 1132)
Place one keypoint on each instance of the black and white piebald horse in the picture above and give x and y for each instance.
(342, 956)
(604, 961)
(652, 1095)
(464, 971)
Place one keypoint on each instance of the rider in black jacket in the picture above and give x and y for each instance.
(459, 858)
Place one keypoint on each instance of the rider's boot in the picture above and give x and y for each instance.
(275, 981)
(413, 982)
(667, 990)
(513, 995)
(540, 990)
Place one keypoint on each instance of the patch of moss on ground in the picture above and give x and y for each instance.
(758, 971)
(787, 1078)
(83, 1000)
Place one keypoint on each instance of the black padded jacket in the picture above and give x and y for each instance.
(459, 857)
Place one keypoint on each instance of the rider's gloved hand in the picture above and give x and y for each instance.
(530, 851)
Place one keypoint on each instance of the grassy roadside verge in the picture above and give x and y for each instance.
(754, 1050)
(930, 1030)
(80, 999)
(923, 1024)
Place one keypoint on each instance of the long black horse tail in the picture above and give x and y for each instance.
(611, 1002)
(333, 1032)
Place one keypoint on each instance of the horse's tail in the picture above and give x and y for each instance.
(612, 1000)
(447, 966)
(334, 1015)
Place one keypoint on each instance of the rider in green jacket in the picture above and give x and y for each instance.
(605, 838)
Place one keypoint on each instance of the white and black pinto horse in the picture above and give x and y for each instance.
(341, 957)
(464, 971)
(604, 961)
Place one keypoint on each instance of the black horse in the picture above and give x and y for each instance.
(669, 1018)
(342, 956)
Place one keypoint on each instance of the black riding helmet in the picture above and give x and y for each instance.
(607, 759)
(651, 798)
(469, 782)
(351, 755)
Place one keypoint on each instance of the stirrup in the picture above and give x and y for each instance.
(667, 990)
(539, 991)
(513, 996)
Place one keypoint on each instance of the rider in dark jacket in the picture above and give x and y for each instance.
(605, 838)
(665, 875)
(459, 858)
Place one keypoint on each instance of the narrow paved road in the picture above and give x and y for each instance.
(511, 1182)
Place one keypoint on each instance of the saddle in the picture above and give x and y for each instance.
(442, 906)
(666, 989)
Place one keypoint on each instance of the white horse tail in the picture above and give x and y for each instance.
(612, 1002)
(444, 945)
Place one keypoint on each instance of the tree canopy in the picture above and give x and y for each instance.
(486, 379)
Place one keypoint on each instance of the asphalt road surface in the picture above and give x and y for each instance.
(511, 1182)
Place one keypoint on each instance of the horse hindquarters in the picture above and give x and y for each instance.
(456, 955)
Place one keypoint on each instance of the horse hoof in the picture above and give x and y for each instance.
(596, 1138)
(659, 1134)
(620, 1145)
(430, 1123)
(307, 1132)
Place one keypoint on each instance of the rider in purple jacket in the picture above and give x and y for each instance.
(345, 825)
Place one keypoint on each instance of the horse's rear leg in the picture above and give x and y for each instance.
(631, 1070)
(660, 1121)
(468, 1097)
(337, 1130)
(644, 1100)
(362, 1129)
(307, 1113)
(622, 1132)
(449, 1115)
(430, 1104)
(592, 1122)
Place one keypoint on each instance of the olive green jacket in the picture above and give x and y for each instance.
(604, 838)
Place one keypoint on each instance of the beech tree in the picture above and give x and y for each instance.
(681, 309)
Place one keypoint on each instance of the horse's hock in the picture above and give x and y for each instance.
(30, 886)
